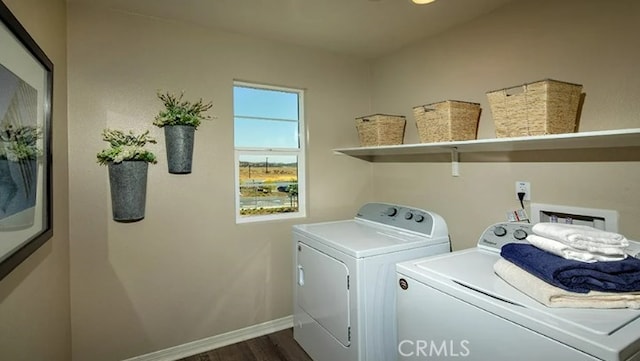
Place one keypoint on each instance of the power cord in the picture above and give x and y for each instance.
(521, 198)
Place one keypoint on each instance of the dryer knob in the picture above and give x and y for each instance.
(418, 218)
(391, 211)
(499, 231)
(408, 215)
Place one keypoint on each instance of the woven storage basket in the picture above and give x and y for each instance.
(447, 121)
(538, 108)
(380, 129)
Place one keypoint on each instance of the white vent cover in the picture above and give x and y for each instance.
(605, 219)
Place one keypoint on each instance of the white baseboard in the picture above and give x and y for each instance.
(210, 343)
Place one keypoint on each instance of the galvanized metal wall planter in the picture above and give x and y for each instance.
(128, 184)
(179, 141)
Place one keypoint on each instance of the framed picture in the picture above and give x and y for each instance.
(26, 78)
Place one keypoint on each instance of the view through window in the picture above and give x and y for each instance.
(269, 152)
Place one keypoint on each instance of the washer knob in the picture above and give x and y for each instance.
(520, 234)
(391, 211)
(418, 218)
(499, 231)
(408, 215)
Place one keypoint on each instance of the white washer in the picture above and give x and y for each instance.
(454, 305)
(344, 279)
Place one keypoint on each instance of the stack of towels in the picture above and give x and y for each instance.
(566, 265)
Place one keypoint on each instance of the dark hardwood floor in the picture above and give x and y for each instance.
(277, 346)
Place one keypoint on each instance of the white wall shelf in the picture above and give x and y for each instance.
(621, 138)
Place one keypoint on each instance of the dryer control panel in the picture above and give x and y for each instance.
(406, 218)
(499, 234)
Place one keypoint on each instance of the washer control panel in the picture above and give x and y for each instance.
(499, 234)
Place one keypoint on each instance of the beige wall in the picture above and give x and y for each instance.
(187, 271)
(34, 297)
(586, 42)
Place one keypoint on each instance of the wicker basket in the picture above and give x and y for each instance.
(380, 129)
(538, 108)
(447, 121)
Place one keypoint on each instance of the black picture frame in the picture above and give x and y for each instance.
(26, 90)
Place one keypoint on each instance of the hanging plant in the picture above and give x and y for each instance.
(181, 112)
(180, 119)
(128, 162)
(126, 147)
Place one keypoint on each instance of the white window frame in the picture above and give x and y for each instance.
(300, 153)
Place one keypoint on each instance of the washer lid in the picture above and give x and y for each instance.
(360, 238)
(469, 276)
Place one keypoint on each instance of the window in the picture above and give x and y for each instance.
(269, 152)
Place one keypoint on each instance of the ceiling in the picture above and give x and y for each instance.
(364, 28)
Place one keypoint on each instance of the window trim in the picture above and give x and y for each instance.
(299, 152)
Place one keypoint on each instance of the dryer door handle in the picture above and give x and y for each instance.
(300, 275)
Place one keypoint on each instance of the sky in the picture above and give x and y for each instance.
(265, 118)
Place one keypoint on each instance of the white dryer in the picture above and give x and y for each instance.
(344, 279)
(454, 305)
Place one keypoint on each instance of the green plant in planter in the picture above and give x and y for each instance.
(181, 112)
(128, 162)
(126, 147)
(19, 153)
(180, 119)
(19, 143)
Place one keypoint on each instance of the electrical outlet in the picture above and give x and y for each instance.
(523, 187)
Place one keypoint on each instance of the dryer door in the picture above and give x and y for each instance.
(322, 291)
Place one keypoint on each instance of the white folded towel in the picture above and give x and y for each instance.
(575, 234)
(565, 251)
(594, 246)
(552, 296)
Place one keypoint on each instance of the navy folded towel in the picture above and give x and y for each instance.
(575, 276)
